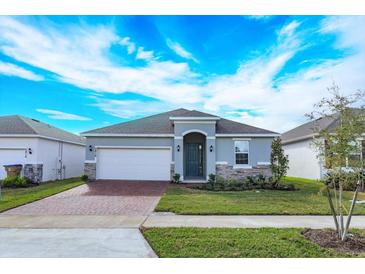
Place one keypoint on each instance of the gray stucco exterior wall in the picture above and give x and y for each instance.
(125, 141)
(223, 149)
(259, 150)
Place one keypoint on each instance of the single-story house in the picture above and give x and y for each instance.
(188, 142)
(45, 152)
(303, 156)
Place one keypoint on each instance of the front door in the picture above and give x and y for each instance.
(194, 160)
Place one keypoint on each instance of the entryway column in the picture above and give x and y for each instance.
(178, 151)
(210, 153)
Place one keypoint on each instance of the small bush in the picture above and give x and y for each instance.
(15, 181)
(349, 180)
(218, 183)
(211, 179)
(84, 178)
(176, 178)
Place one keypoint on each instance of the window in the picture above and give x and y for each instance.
(241, 152)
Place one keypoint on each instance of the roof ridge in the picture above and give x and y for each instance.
(23, 118)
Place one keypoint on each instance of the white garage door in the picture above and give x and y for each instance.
(10, 157)
(133, 163)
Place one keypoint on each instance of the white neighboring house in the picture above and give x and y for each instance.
(46, 153)
(298, 145)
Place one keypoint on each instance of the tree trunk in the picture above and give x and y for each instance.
(332, 209)
(344, 235)
(341, 209)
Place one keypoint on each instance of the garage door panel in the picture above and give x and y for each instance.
(133, 164)
(10, 157)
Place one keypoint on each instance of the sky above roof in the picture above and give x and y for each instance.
(81, 73)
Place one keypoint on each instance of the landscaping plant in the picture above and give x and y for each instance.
(340, 149)
(176, 178)
(279, 162)
(15, 181)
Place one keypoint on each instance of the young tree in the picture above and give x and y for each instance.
(279, 162)
(337, 145)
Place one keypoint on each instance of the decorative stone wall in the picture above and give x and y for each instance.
(33, 172)
(227, 171)
(90, 170)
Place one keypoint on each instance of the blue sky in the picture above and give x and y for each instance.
(80, 73)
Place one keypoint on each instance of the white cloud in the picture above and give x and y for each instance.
(144, 55)
(179, 50)
(59, 115)
(280, 104)
(79, 56)
(9, 69)
(289, 29)
(126, 41)
(130, 108)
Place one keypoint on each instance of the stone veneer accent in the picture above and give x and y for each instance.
(33, 172)
(227, 171)
(90, 170)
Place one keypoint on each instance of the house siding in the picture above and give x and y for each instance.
(303, 161)
(223, 149)
(45, 155)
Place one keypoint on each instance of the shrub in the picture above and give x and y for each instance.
(349, 180)
(250, 183)
(15, 181)
(279, 162)
(211, 179)
(176, 178)
(84, 178)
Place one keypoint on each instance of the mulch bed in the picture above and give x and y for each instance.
(327, 238)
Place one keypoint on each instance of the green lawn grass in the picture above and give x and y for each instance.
(13, 197)
(234, 243)
(306, 201)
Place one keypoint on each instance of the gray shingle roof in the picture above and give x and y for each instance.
(306, 130)
(20, 125)
(309, 129)
(161, 124)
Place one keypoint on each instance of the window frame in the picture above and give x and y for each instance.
(235, 153)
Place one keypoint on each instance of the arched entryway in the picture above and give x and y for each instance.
(194, 156)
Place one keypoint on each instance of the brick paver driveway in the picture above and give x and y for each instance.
(103, 197)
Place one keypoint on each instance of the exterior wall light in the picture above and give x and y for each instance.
(90, 148)
(211, 148)
(178, 148)
(30, 151)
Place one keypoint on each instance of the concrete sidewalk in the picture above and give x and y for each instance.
(171, 220)
(74, 243)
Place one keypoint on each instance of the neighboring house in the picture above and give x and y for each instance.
(191, 143)
(46, 153)
(298, 145)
